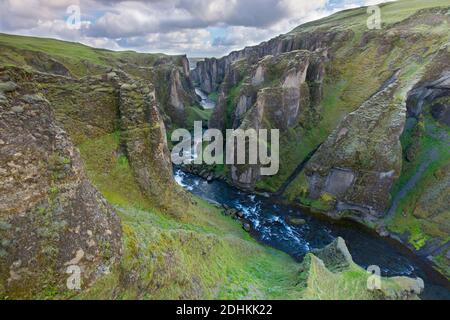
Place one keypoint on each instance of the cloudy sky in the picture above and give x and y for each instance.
(194, 27)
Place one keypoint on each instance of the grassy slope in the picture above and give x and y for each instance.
(423, 213)
(207, 255)
(356, 19)
(81, 60)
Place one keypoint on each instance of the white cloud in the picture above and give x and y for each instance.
(172, 26)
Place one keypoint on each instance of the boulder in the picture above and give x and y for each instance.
(8, 86)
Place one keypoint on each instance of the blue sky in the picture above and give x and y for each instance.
(194, 27)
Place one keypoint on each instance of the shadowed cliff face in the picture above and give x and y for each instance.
(145, 141)
(51, 215)
(176, 93)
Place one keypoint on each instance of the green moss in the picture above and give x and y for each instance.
(443, 264)
(110, 172)
(196, 113)
(231, 104)
(422, 213)
(213, 96)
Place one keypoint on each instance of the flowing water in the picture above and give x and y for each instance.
(269, 222)
(205, 102)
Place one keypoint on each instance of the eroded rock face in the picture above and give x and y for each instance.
(145, 141)
(335, 256)
(278, 92)
(210, 73)
(51, 217)
(362, 157)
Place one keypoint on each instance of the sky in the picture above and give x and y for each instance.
(198, 28)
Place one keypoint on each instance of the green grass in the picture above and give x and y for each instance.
(208, 256)
(196, 113)
(213, 96)
(356, 19)
(231, 104)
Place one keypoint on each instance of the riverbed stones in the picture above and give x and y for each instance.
(17, 109)
(239, 214)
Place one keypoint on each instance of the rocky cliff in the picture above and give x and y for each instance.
(328, 82)
(52, 218)
(359, 162)
(325, 271)
(144, 139)
(276, 92)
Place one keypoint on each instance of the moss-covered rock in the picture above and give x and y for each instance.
(145, 140)
(52, 216)
(331, 274)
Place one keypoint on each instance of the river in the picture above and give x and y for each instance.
(205, 102)
(269, 222)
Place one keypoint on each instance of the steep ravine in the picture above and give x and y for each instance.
(325, 84)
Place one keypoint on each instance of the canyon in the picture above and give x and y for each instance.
(86, 178)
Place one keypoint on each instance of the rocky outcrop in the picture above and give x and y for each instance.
(362, 157)
(327, 272)
(175, 92)
(335, 256)
(53, 223)
(145, 141)
(432, 92)
(279, 92)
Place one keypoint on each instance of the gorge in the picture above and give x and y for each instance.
(86, 178)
